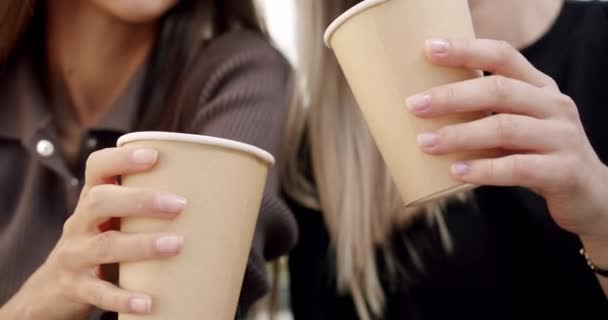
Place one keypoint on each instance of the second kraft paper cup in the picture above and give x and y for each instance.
(223, 181)
(379, 45)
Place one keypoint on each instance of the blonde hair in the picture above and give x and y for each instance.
(350, 183)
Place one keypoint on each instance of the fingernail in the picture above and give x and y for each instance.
(428, 140)
(170, 203)
(419, 102)
(169, 244)
(461, 169)
(140, 305)
(438, 47)
(144, 156)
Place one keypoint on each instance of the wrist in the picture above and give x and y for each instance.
(596, 232)
(36, 299)
(17, 309)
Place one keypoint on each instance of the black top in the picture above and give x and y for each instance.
(511, 261)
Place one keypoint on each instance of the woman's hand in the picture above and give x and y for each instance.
(538, 127)
(69, 283)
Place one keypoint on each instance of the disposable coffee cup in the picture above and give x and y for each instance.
(223, 182)
(379, 45)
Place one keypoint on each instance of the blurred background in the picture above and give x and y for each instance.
(280, 18)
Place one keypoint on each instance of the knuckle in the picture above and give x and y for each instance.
(114, 301)
(489, 171)
(504, 51)
(102, 246)
(95, 198)
(464, 48)
(69, 226)
(570, 165)
(551, 82)
(96, 294)
(95, 161)
(466, 45)
(106, 296)
(567, 104)
(91, 159)
(573, 135)
(442, 95)
(140, 247)
(62, 256)
(146, 247)
(521, 170)
(506, 128)
(500, 87)
(66, 283)
(564, 101)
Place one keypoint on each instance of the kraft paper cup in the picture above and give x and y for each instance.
(379, 45)
(223, 182)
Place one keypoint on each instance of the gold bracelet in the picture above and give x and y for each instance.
(592, 266)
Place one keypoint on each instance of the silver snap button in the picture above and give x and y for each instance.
(74, 182)
(91, 143)
(45, 148)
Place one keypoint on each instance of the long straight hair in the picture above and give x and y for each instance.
(185, 31)
(349, 182)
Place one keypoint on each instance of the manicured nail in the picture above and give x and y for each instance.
(170, 203)
(144, 156)
(461, 169)
(428, 140)
(419, 102)
(438, 47)
(169, 244)
(140, 305)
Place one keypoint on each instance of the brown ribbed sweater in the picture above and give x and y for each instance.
(243, 95)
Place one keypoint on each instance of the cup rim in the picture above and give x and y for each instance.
(348, 14)
(198, 139)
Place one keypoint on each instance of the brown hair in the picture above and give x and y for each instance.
(185, 31)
